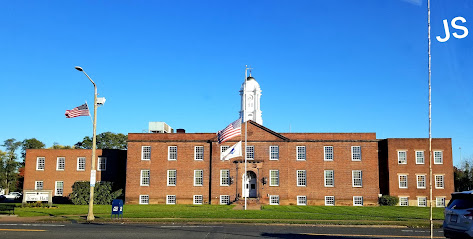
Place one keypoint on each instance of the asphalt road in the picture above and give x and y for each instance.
(131, 231)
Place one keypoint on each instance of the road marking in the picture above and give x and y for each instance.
(358, 235)
(187, 226)
(22, 230)
(34, 225)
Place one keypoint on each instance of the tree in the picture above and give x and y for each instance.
(106, 140)
(56, 145)
(32, 143)
(463, 176)
(9, 165)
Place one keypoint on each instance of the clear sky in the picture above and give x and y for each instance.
(323, 66)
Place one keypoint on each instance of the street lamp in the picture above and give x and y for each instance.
(90, 215)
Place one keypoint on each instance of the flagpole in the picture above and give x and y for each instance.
(430, 123)
(246, 136)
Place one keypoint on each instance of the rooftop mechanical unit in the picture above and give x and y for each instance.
(159, 127)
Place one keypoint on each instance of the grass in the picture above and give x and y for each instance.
(406, 216)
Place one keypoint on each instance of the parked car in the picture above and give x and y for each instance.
(2, 198)
(13, 196)
(458, 222)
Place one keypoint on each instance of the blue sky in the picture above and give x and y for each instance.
(323, 66)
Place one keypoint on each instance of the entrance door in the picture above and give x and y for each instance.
(249, 185)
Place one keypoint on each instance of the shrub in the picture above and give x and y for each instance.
(387, 200)
(103, 194)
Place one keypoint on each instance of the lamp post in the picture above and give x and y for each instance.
(90, 215)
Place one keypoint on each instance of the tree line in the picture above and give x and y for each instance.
(12, 168)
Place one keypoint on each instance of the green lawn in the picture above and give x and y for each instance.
(413, 216)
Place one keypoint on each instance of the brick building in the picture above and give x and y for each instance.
(283, 168)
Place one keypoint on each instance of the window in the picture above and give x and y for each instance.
(273, 152)
(144, 199)
(172, 177)
(300, 152)
(198, 199)
(328, 178)
(401, 157)
(403, 201)
(422, 201)
(420, 157)
(301, 200)
(102, 165)
(438, 157)
(40, 163)
(224, 177)
(61, 163)
(273, 199)
(273, 178)
(420, 181)
(199, 153)
(38, 185)
(328, 153)
(357, 201)
(440, 201)
(198, 177)
(171, 199)
(439, 181)
(222, 150)
(357, 178)
(225, 199)
(301, 178)
(145, 152)
(402, 181)
(172, 153)
(144, 178)
(356, 153)
(59, 188)
(329, 201)
(250, 152)
(81, 164)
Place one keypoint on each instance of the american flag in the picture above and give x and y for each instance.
(232, 130)
(82, 110)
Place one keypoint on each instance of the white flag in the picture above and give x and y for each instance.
(232, 152)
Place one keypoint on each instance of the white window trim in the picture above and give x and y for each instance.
(277, 148)
(441, 154)
(85, 159)
(222, 151)
(271, 201)
(195, 178)
(149, 177)
(423, 156)
(297, 153)
(270, 183)
(354, 201)
(297, 178)
(246, 152)
(167, 200)
(169, 153)
(443, 181)
(36, 185)
(353, 178)
(221, 177)
(105, 164)
(399, 180)
(325, 154)
(141, 202)
(329, 197)
(418, 202)
(302, 204)
(195, 153)
(142, 154)
(407, 200)
(37, 163)
(417, 179)
(325, 179)
(202, 199)
(353, 154)
(57, 164)
(175, 181)
(436, 201)
(399, 159)
(221, 199)
(55, 188)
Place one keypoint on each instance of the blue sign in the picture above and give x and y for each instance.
(117, 208)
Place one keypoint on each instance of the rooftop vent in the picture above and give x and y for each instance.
(159, 127)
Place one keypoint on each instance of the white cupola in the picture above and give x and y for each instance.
(251, 99)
